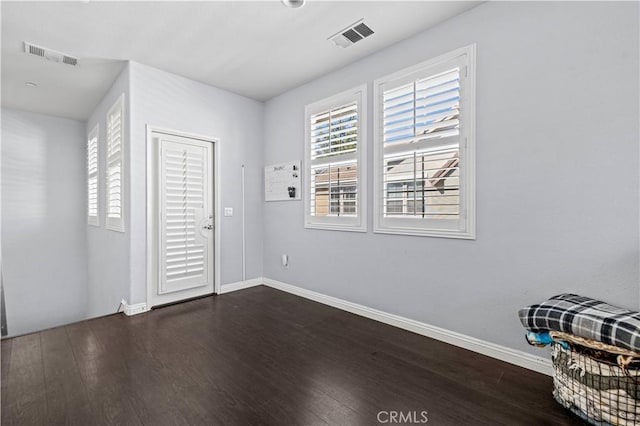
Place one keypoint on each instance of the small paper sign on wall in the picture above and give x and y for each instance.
(282, 182)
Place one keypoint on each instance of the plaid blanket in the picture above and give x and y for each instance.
(584, 317)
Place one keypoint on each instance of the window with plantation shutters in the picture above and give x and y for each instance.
(424, 148)
(335, 153)
(92, 177)
(115, 166)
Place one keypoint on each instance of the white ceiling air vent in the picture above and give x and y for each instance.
(49, 54)
(352, 34)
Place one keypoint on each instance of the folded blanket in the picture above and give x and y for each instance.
(584, 317)
(542, 339)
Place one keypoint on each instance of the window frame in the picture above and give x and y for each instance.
(94, 134)
(116, 224)
(356, 223)
(466, 229)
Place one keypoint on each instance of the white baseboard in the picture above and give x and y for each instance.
(138, 308)
(228, 288)
(503, 353)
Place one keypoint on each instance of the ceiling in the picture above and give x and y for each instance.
(256, 49)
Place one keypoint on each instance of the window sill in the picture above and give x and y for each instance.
(417, 232)
(115, 228)
(329, 227)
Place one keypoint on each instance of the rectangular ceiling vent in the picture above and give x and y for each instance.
(49, 54)
(352, 34)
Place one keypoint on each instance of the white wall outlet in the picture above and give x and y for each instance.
(228, 211)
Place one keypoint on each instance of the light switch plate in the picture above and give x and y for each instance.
(228, 211)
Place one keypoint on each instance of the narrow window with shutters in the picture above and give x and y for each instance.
(115, 166)
(424, 148)
(334, 162)
(92, 177)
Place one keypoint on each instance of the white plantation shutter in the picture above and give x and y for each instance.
(92, 177)
(424, 148)
(417, 117)
(335, 132)
(334, 162)
(115, 166)
(184, 189)
(427, 108)
(334, 145)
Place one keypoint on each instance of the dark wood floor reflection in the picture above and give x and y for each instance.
(259, 356)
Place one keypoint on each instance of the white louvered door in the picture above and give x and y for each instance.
(186, 220)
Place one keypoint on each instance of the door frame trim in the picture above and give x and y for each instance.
(150, 196)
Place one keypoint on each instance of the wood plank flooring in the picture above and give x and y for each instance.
(259, 356)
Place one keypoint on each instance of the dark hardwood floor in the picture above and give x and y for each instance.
(259, 356)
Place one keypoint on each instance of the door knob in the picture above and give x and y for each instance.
(209, 227)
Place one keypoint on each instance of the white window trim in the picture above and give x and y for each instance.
(94, 134)
(355, 224)
(467, 154)
(116, 224)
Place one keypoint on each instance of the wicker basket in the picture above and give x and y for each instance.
(598, 386)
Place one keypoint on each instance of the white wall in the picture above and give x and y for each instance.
(557, 175)
(168, 101)
(557, 172)
(85, 273)
(43, 221)
(108, 251)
